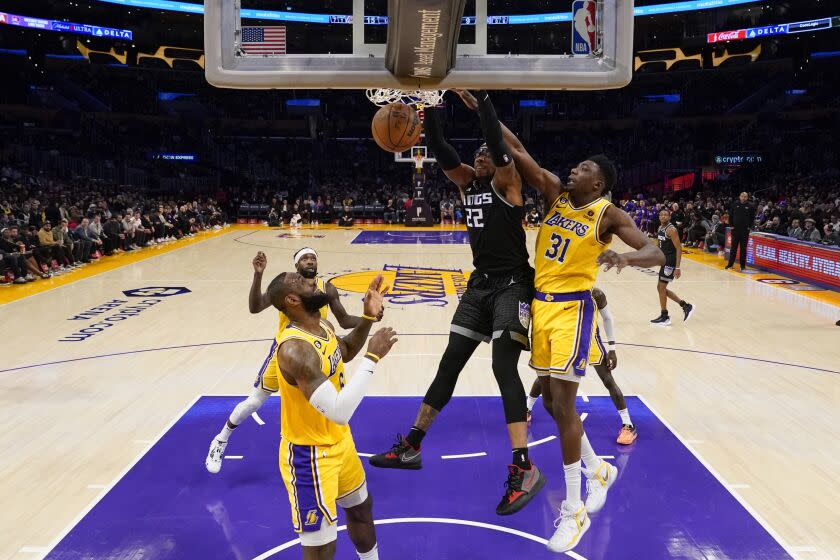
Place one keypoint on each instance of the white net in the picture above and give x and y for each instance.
(414, 97)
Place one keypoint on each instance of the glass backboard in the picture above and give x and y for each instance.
(297, 44)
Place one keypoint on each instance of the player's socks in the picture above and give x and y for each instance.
(224, 435)
(587, 454)
(372, 554)
(625, 417)
(663, 320)
(571, 473)
(520, 458)
(415, 437)
(530, 403)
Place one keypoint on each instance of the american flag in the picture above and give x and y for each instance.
(264, 40)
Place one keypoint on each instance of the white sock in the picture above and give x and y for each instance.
(372, 554)
(225, 433)
(625, 417)
(572, 474)
(590, 460)
(530, 403)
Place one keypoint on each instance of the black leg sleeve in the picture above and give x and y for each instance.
(455, 357)
(505, 368)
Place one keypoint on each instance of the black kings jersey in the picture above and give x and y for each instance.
(666, 244)
(497, 238)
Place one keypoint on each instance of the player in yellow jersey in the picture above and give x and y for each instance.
(306, 264)
(318, 460)
(572, 242)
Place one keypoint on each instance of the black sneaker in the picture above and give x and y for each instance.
(688, 311)
(520, 488)
(661, 321)
(400, 456)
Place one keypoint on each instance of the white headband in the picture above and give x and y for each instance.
(303, 252)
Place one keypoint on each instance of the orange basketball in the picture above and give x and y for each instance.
(396, 127)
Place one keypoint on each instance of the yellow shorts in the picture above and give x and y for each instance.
(318, 476)
(267, 379)
(564, 336)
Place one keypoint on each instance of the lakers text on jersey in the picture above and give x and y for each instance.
(318, 459)
(564, 336)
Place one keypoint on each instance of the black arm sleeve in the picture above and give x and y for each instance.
(443, 151)
(492, 130)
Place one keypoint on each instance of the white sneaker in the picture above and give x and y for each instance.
(214, 456)
(571, 526)
(598, 482)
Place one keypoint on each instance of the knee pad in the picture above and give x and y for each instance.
(325, 534)
(455, 357)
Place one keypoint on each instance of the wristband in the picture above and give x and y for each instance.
(677, 268)
(369, 318)
(611, 345)
(372, 357)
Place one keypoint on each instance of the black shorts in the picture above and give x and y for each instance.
(495, 304)
(666, 272)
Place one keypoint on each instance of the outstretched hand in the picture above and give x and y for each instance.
(382, 341)
(611, 259)
(468, 98)
(260, 262)
(374, 304)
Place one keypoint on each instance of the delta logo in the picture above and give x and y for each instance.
(410, 285)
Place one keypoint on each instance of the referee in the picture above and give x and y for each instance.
(742, 216)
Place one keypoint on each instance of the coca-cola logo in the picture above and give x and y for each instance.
(727, 36)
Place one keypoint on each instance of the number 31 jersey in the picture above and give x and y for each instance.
(497, 238)
(568, 246)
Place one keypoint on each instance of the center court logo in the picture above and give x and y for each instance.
(409, 284)
(115, 311)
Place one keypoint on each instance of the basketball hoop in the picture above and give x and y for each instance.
(417, 98)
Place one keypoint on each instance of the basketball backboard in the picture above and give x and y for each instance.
(343, 46)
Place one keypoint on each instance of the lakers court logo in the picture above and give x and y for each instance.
(410, 284)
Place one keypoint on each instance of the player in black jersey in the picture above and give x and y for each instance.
(496, 305)
(669, 242)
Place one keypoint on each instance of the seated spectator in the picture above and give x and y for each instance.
(61, 235)
(11, 243)
(390, 215)
(274, 218)
(47, 240)
(447, 211)
(13, 260)
(533, 218)
(346, 217)
(811, 233)
(795, 230)
(89, 244)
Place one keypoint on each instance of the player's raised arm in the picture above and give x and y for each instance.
(459, 173)
(257, 300)
(374, 304)
(620, 223)
(345, 320)
(540, 178)
(506, 180)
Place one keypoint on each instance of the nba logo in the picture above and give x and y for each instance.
(583, 27)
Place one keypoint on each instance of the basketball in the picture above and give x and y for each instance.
(396, 127)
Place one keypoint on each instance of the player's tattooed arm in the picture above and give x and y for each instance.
(448, 159)
(374, 304)
(617, 222)
(257, 300)
(300, 366)
(541, 179)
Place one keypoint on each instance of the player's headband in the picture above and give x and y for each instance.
(303, 252)
(482, 150)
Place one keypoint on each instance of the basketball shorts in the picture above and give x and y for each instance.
(565, 337)
(317, 477)
(492, 305)
(267, 378)
(666, 271)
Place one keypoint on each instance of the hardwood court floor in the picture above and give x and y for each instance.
(94, 370)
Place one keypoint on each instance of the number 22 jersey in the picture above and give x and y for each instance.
(497, 238)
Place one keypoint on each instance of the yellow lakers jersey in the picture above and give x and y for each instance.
(284, 321)
(300, 422)
(568, 246)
